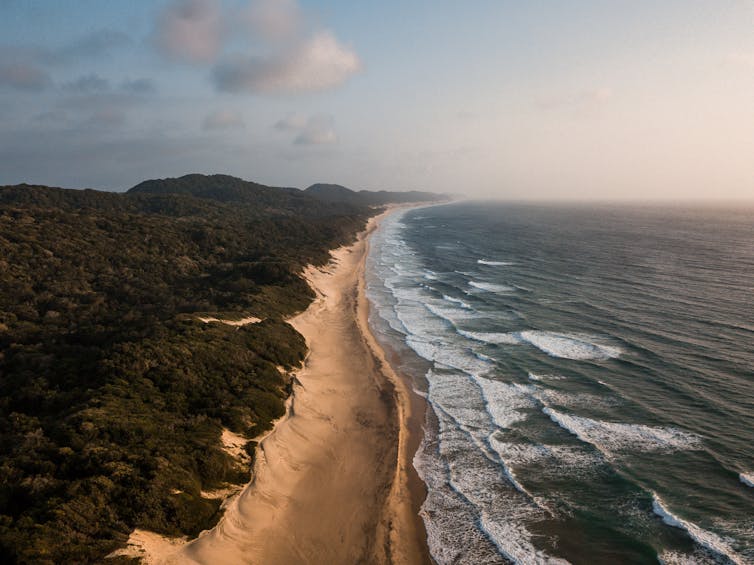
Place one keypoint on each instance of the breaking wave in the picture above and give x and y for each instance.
(613, 437)
(708, 540)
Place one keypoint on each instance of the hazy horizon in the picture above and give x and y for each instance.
(626, 102)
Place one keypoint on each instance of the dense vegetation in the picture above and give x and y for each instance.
(113, 395)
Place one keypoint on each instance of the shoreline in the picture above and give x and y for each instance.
(409, 544)
(350, 417)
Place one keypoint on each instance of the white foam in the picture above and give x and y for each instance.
(494, 338)
(553, 460)
(420, 323)
(414, 294)
(448, 356)
(474, 411)
(502, 513)
(494, 263)
(451, 314)
(491, 287)
(747, 479)
(614, 437)
(564, 346)
(569, 346)
(448, 518)
(505, 402)
(457, 301)
(461, 400)
(676, 558)
(708, 540)
(539, 378)
(423, 349)
(549, 396)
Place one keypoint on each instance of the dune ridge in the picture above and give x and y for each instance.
(333, 481)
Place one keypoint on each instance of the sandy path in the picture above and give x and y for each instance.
(241, 322)
(333, 481)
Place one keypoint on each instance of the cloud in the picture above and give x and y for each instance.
(292, 122)
(317, 135)
(96, 43)
(94, 83)
(280, 55)
(51, 117)
(107, 118)
(24, 76)
(316, 64)
(87, 84)
(138, 86)
(223, 120)
(315, 130)
(273, 19)
(26, 67)
(190, 30)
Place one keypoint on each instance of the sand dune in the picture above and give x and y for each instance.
(333, 482)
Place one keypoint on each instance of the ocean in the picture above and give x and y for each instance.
(588, 374)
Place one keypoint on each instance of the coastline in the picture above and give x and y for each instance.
(408, 536)
(333, 481)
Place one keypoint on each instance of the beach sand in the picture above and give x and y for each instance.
(333, 482)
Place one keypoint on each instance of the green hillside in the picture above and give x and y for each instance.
(113, 395)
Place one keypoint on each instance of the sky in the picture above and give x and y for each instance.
(535, 99)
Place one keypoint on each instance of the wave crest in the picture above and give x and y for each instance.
(612, 437)
(708, 540)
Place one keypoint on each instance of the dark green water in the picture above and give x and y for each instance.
(589, 373)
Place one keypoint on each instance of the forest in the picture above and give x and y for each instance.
(113, 394)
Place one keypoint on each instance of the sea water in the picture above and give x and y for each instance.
(588, 375)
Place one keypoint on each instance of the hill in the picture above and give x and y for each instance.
(226, 189)
(338, 193)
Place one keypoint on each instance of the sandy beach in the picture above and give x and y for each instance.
(333, 482)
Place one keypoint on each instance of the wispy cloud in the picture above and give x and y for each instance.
(51, 117)
(190, 30)
(29, 67)
(93, 83)
(309, 130)
(107, 118)
(138, 86)
(89, 83)
(223, 120)
(96, 43)
(292, 122)
(24, 76)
